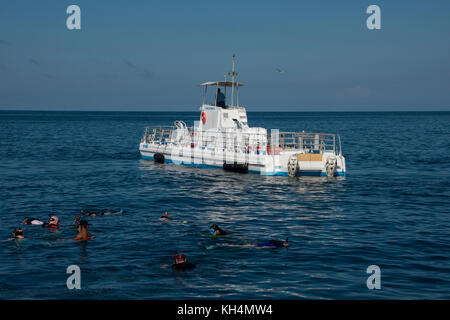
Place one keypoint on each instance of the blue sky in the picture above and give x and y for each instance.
(151, 55)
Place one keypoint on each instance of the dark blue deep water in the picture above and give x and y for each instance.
(391, 210)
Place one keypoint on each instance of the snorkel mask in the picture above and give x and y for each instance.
(54, 220)
(179, 258)
(213, 228)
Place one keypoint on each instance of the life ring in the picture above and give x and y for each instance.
(203, 117)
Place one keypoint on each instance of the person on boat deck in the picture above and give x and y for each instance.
(220, 98)
(83, 233)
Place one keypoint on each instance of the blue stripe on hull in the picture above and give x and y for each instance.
(209, 166)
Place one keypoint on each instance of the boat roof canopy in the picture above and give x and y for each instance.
(221, 84)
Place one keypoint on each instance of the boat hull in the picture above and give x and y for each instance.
(257, 162)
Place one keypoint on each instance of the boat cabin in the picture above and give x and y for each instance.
(222, 113)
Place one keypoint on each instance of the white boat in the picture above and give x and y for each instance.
(222, 138)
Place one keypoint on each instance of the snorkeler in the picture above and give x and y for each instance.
(83, 233)
(108, 212)
(216, 231)
(179, 262)
(165, 217)
(52, 223)
(18, 234)
(33, 221)
(93, 213)
(105, 212)
(273, 244)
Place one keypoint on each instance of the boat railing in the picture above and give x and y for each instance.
(212, 139)
(310, 142)
(245, 142)
(158, 134)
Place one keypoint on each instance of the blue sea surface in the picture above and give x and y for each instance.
(391, 210)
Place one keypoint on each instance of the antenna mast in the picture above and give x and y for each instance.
(233, 74)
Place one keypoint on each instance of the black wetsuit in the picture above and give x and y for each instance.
(221, 232)
(271, 243)
(93, 213)
(183, 266)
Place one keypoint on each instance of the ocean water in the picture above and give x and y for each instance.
(391, 210)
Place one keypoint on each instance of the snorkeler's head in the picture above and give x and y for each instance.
(179, 258)
(83, 224)
(214, 229)
(54, 220)
(165, 216)
(17, 232)
(286, 243)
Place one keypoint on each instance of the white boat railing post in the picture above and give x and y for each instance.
(204, 96)
(334, 144)
(316, 142)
